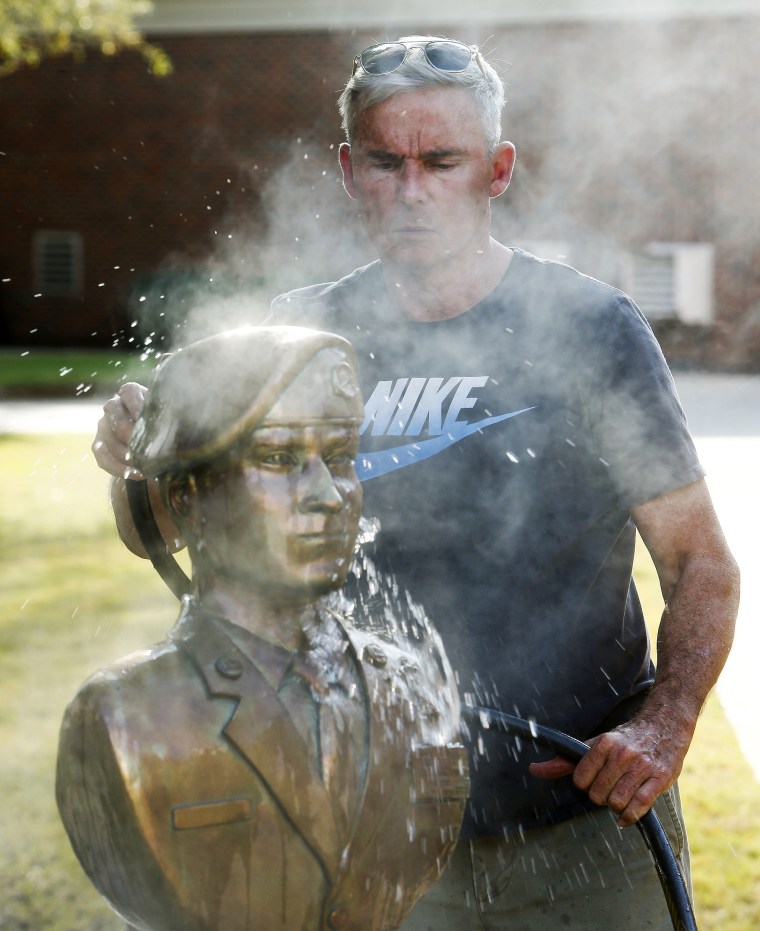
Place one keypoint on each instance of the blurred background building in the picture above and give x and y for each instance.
(130, 199)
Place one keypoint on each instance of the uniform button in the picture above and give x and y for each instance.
(375, 656)
(228, 667)
(337, 917)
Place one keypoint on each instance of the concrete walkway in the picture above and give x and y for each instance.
(724, 416)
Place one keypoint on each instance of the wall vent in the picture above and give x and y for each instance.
(58, 262)
(673, 281)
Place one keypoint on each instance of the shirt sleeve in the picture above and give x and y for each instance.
(639, 427)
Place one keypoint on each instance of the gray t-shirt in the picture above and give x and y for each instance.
(502, 451)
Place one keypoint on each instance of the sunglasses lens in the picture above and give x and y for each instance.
(382, 59)
(448, 56)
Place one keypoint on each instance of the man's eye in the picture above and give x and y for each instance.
(442, 166)
(384, 164)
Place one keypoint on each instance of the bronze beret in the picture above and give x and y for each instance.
(209, 394)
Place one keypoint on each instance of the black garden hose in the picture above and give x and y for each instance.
(668, 870)
(150, 537)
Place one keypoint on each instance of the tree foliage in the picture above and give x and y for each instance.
(31, 30)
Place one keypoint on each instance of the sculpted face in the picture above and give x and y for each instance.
(275, 516)
(283, 519)
(421, 171)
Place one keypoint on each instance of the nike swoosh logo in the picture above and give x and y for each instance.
(373, 465)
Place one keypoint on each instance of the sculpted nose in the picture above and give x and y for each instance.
(318, 490)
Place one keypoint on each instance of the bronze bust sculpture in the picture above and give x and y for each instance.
(274, 763)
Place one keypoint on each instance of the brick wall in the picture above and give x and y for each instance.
(153, 172)
(226, 170)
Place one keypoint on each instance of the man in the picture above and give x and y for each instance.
(520, 424)
(270, 764)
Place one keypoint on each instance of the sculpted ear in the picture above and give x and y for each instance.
(180, 493)
(502, 164)
(347, 168)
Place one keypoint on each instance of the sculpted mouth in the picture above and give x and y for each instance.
(324, 537)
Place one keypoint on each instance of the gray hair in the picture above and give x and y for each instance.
(363, 90)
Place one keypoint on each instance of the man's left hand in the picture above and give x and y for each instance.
(625, 769)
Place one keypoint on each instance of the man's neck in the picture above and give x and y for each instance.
(449, 289)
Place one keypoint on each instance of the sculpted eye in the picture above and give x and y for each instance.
(278, 459)
(340, 458)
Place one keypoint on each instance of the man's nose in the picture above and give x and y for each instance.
(318, 491)
(411, 183)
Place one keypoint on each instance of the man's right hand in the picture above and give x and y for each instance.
(111, 443)
(111, 450)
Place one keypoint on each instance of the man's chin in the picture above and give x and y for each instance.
(414, 253)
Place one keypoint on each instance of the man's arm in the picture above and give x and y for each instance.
(111, 447)
(630, 766)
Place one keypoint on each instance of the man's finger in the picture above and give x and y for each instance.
(114, 463)
(640, 803)
(552, 769)
(116, 422)
(132, 396)
(591, 765)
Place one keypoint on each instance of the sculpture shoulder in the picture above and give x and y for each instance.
(136, 701)
(128, 678)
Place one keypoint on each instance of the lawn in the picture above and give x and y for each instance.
(73, 599)
(68, 372)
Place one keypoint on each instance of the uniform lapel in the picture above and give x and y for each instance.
(262, 730)
(380, 791)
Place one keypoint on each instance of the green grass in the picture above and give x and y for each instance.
(72, 598)
(721, 798)
(68, 372)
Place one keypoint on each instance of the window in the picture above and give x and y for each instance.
(57, 261)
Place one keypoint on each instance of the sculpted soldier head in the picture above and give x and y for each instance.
(253, 435)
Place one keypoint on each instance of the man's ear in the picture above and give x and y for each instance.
(347, 168)
(503, 162)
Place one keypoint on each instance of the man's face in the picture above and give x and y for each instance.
(420, 169)
(283, 520)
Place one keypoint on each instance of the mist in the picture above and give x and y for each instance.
(610, 126)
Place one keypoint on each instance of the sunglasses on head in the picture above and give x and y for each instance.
(442, 54)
